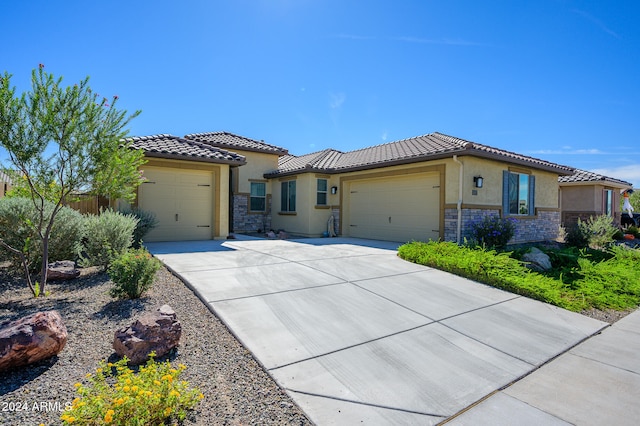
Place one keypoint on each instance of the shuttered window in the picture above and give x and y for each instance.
(518, 194)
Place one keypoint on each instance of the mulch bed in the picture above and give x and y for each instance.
(237, 389)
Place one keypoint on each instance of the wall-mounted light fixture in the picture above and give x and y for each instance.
(334, 189)
(478, 181)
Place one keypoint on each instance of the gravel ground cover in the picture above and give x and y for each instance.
(237, 390)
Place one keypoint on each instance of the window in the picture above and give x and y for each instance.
(321, 194)
(518, 194)
(608, 202)
(258, 199)
(288, 196)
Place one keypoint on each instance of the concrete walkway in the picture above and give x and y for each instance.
(356, 335)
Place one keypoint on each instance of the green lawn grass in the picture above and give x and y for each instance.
(578, 281)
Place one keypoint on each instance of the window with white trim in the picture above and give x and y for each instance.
(258, 198)
(518, 194)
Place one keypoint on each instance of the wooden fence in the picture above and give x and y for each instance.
(89, 204)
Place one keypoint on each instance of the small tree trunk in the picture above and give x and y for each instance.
(45, 264)
(25, 265)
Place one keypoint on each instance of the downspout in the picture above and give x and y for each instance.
(459, 205)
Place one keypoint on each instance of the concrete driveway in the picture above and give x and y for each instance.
(355, 334)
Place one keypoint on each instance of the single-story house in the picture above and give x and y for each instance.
(427, 187)
(584, 194)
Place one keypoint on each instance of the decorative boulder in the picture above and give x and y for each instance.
(537, 260)
(62, 270)
(157, 331)
(31, 339)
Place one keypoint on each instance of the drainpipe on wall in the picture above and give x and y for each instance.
(459, 206)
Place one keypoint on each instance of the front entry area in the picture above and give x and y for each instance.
(182, 201)
(394, 208)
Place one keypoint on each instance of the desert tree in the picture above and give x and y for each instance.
(62, 141)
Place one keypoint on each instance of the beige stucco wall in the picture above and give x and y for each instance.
(587, 198)
(257, 164)
(490, 194)
(309, 220)
(221, 187)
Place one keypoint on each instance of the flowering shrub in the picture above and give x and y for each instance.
(116, 395)
(493, 232)
(132, 273)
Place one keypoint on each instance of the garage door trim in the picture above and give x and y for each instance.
(440, 169)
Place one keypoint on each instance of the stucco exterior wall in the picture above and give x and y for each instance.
(587, 199)
(491, 192)
(311, 220)
(220, 187)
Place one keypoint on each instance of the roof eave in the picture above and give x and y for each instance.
(169, 156)
(559, 169)
(603, 182)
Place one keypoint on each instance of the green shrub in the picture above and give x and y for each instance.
(108, 235)
(597, 232)
(146, 222)
(116, 395)
(132, 273)
(493, 231)
(17, 213)
(601, 231)
(633, 230)
(578, 235)
(589, 279)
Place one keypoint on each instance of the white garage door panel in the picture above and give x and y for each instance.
(395, 208)
(182, 202)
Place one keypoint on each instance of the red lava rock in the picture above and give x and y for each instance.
(31, 339)
(62, 270)
(157, 331)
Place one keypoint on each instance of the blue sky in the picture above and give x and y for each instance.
(554, 79)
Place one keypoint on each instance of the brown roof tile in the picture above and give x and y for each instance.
(168, 146)
(229, 140)
(419, 148)
(585, 176)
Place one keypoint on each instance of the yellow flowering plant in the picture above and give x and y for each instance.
(116, 395)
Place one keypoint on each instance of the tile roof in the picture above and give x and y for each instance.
(420, 148)
(584, 176)
(229, 140)
(169, 146)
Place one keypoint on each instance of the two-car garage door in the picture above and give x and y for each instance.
(182, 201)
(398, 208)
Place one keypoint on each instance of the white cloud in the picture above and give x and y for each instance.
(384, 135)
(336, 99)
(629, 172)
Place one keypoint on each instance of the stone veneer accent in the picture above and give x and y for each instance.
(244, 221)
(544, 227)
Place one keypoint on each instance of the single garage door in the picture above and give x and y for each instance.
(401, 208)
(182, 201)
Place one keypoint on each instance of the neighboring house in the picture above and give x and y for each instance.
(251, 197)
(187, 187)
(584, 194)
(5, 183)
(427, 187)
